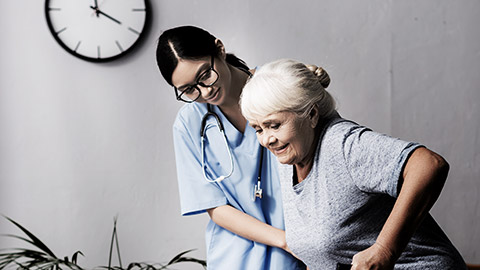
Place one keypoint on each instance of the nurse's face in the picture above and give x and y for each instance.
(289, 137)
(188, 73)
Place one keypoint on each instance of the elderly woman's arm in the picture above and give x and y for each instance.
(423, 178)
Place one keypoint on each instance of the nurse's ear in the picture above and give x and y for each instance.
(220, 49)
(314, 116)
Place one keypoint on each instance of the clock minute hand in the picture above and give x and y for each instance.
(98, 11)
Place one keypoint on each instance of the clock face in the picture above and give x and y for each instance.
(97, 30)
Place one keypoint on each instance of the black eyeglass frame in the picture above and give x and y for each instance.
(195, 86)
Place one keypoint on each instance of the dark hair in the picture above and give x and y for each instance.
(189, 43)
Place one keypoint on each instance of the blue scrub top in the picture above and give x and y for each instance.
(226, 250)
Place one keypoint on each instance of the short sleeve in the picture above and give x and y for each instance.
(196, 194)
(375, 161)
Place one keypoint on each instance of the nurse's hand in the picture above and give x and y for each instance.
(374, 257)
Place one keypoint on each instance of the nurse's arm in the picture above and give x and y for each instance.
(247, 226)
(424, 176)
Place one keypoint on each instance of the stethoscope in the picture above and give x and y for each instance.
(257, 190)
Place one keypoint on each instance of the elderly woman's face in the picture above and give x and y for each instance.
(286, 135)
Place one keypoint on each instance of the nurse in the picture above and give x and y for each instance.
(244, 232)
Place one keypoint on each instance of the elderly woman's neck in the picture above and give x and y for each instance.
(302, 171)
(303, 168)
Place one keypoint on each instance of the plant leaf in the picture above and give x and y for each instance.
(39, 244)
(190, 259)
(75, 255)
(172, 261)
(19, 237)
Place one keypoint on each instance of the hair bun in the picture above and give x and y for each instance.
(321, 74)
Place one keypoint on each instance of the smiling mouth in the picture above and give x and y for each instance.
(279, 150)
(214, 96)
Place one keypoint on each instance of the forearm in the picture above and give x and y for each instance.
(247, 226)
(423, 179)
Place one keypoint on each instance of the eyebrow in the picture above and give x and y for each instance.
(266, 124)
(200, 70)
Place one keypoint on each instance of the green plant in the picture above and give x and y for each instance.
(42, 258)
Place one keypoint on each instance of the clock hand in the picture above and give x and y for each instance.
(96, 8)
(108, 16)
(98, 11)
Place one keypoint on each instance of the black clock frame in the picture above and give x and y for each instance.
(141, 36)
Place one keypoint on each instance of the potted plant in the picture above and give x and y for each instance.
(40, 257)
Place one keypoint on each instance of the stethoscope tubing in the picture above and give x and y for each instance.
(203, 138)
(257, 192)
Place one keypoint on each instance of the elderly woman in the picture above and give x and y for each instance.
(351, 195)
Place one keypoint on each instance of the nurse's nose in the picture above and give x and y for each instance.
(207, 92)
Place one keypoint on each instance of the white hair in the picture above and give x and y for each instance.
(286, 85)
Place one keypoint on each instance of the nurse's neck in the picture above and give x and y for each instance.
(231, 106)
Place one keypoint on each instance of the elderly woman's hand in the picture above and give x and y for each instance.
(374, 257)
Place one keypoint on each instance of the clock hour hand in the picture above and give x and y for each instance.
(96, 8)
(98, 11)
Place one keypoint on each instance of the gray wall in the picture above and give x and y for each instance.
(81, 143)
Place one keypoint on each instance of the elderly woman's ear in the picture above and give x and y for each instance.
(314, 116)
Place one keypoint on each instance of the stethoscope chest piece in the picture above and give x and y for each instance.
(257, 191)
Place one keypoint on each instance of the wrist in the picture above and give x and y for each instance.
(390, 253)
(280, 240)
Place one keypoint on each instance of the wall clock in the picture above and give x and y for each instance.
(97, 30)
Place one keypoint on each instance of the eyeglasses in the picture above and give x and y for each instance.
(190, 93)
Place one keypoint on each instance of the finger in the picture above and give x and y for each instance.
(354, 262)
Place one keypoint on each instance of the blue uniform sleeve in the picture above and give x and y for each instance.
(375, 161)
(196, 194)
